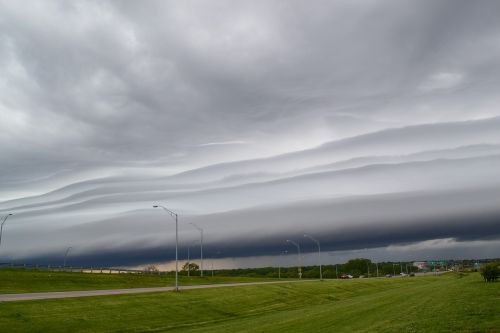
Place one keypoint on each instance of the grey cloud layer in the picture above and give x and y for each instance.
(223, 107)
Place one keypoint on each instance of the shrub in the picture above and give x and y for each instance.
(491, 271)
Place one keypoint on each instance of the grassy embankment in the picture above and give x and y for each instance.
(27, 281)
(448, 303)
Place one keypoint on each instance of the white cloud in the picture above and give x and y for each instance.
(441, 81)
(221, 143)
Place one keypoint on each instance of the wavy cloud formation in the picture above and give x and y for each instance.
(369, 125)
(362, 201)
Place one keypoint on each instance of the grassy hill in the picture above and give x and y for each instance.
(24, 281)
(448, 303)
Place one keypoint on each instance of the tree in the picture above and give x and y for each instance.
(356, 267)
(491, 272)
(151, 269)
(191, 266)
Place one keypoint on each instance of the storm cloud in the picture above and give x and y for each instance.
(369, 124)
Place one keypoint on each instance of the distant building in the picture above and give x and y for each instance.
(420, 264)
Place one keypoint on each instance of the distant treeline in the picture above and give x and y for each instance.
(354, 267)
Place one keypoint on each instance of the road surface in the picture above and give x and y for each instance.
(90, 293)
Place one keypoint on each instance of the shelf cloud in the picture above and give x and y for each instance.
(370, 125)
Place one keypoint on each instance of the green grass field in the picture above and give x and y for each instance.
(24, 281)
(448, 303)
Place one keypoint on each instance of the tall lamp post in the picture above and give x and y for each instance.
(174, 215)
(279, 264)
(1, 225)
(188, 265)
(319, 254)
(66, 255)
(189, 257)
(298, 252)
(201, 245)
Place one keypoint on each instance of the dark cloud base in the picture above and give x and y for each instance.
(486, 226)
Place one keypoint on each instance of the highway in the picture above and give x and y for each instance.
(109, 292)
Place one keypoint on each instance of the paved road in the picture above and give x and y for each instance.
(89, 293)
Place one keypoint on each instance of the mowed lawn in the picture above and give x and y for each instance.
(447, 303)
(24, 281)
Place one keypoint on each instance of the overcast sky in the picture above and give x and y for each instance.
(371, 125)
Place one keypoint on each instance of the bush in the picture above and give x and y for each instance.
(491, 271)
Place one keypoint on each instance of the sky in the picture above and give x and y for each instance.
(373, 126)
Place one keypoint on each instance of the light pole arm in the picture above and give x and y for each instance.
(319, 253)
(297, 245)
(312, 238)
(171, 213)
(5, 219)
(197, 227)
(1, 225)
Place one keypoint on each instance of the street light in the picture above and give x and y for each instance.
(319, 254)
(279, 263)
(212, 260)
(298, 251)
(1, 225)
(189, 260)
(188, 265)
(66, 255)
(174, 215)
(201, 245)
